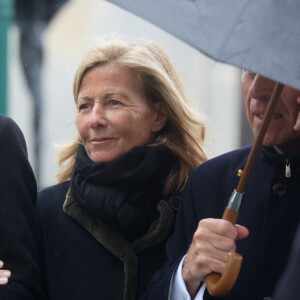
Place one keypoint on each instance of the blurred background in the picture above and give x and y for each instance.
(41, 44)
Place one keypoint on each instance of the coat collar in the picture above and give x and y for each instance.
(110, 239)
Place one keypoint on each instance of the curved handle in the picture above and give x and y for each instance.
(219, 285)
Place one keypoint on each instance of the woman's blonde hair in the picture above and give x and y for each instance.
(184, 131)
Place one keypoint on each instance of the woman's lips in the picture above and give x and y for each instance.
(101, 140)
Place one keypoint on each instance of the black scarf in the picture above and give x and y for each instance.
(122, 193)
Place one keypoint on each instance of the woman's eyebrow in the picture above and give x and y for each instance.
(106, 96)
(112, 94)
(87, 98)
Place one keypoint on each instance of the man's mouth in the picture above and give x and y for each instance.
(262, 115)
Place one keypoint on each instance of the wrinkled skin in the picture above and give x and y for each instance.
(113, 114)
(284, 128)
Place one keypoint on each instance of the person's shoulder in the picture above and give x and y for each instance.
(235, 157)
(8, 124)
(5, 120)
(11, 134)
(52, 196)
(57, 189)
(50, 203)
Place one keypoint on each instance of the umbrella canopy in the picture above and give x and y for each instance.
(260, 36)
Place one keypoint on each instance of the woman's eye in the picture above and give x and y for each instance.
(84, 107)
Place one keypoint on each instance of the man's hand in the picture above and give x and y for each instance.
(213, 240)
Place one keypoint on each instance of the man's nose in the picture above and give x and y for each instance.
(98, 116)
(261, 88)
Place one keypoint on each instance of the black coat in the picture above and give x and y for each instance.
(270, 210)
(18, 223)
(87, 260)
(289, 287)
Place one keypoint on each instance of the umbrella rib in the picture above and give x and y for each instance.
(232, 28)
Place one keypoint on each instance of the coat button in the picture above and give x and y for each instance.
(279, 189)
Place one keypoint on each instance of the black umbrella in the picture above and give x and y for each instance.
(260, 36)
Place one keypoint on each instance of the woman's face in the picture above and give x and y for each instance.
(257, 92)
(113, 113)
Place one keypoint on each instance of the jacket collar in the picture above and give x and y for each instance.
(115, 243)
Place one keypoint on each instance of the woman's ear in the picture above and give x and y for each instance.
(160, 117)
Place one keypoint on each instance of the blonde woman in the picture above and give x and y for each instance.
(106, 222)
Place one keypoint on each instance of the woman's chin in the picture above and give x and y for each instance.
(98, 158)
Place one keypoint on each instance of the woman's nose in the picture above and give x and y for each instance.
(261, 88)
(97, 117)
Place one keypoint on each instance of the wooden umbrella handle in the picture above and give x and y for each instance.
(219, 285)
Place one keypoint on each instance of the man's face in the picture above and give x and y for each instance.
(257, 92)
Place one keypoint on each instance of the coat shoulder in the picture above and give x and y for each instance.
(230, 160)
(52, 197)
(218, 175)
(9, 127)
(14, 144)
(6, 122)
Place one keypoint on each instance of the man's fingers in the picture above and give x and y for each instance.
(220, 227)
(4, 275)
(242, 231)
(203, 237)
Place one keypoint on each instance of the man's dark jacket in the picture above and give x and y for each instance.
(270, 210)
(18, 223)
(289, 287)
